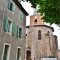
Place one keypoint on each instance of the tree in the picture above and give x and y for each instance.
(50, 9)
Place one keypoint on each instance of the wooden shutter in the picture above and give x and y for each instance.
(9, 1)
(21, 15)
(17, 32)
(6, 24)
(13, 28)
(12, 7)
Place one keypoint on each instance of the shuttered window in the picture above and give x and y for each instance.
(19, 32)
(6, 23)
(9, 26)
(10, 5)
(13, 28)
(21, 16)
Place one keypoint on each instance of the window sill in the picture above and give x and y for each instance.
(9, 33)
(20, 38)
(20, 20)
(11, 11)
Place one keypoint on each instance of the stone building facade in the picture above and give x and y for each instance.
(12, 30)
(59, 54)
(40, 41)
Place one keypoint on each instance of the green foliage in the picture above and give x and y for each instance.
(50, 9)
(51, 57)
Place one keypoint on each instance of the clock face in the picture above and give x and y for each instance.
(35, 17)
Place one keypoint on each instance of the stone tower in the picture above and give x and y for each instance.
(40, 40)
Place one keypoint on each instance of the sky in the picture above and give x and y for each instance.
(30, 11)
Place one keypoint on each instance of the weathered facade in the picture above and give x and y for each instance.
(12, 30)
(59, 54)
(40, 41)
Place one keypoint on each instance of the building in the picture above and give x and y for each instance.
(40, 41)
(12, 30)
(58, 54)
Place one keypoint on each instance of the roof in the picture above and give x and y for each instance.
(20, 6)
(42, 26)
(55, 36)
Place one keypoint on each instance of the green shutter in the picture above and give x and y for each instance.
(6, 24)
(21, 15)
(13, 28)
(17, 32)
(12, 7)
(9, 1)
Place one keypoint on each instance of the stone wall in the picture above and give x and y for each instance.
(40, 48)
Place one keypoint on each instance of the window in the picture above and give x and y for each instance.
(39, 35)
(6, 52)
(48, 33)
(21, 16)
(10, 5)
(35, 22)
(19, 32)
(26, 34)
(9, 26)
(19, 54)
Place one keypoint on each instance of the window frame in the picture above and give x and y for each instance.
(39, 34)
(17, 52)
(14, 7)
(11, 26)
(22, 16)
(4, 49)
(22, 32)
(35, 22)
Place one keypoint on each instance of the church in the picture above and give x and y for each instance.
(40, 41)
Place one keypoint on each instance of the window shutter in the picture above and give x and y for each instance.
(13, 28)
(9, 1)
(6, 24)
(17, 32)
(21, 15)
(12, 7)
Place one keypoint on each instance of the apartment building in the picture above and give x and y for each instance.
(12, 30)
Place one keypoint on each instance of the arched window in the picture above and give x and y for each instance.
(48, 33)
(39, 35)
(35, 21)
